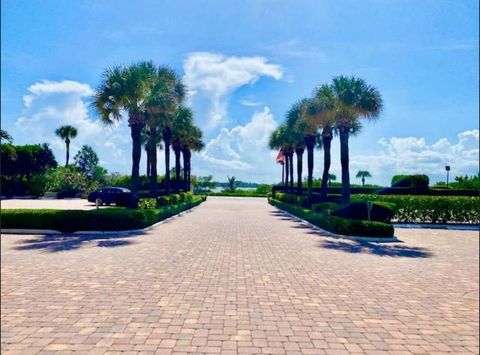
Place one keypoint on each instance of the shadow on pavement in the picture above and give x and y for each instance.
(64, 242)
(392, 249)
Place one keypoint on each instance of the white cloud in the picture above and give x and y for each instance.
(241, 151)
(50, 104)
(214, 77)
(399, 155)
(250, 103)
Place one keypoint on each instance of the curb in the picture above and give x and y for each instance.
(340, 236)
(460, 227)
(95, 233)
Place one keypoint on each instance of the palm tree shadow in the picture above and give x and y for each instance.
(380, 249)
(356, 246)
(53, 243)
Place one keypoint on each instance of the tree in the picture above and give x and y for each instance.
(86, 161)
(67, 133)
(167, 94)
(193, 143)
(297, 131)
(282, 139)
(352, 99)
(5, 137)
(362, 174)
(126, 89)
(181, 128)
(231, 184)
(203, 184)
(331, 177)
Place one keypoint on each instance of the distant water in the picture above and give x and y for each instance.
(219, 189)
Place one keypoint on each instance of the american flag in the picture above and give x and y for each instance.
(280, 158)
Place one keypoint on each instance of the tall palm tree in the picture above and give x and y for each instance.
(353, 99)
(126, 89)
(298, 137)
(5, 136)
(311, 114)
(180, 131)
(192, 143)
(362, 174)
(283, 139)
(167, 94)
(67, 133)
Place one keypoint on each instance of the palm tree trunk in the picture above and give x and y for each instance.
(153, 161)
(291, 171)
(67, 143)
(136, 134)
(147, 151)
(283, 173)
(344, 159)
(310, 143)
(363, 181)
(327, 144)
(166, 138)
(177, 169)
(185, 170)
(299, 152)
(189, 169)
(287, 172)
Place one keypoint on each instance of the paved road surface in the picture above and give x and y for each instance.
(236, 276)
(64, 204)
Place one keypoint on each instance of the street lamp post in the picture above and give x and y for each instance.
(447, 168)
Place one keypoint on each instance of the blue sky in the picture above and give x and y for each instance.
(246, 63)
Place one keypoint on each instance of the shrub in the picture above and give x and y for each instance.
(147, 203)
(163, 200)
(430, 209)
(338, 224)
(380, 212)
(326, 207)
(108, 219)
(126, 199)
(414, 181)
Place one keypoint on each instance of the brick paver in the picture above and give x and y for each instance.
(236, 276)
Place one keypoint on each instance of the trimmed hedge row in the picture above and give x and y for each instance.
(430, 209)
(107, 219)
(175, 198)
(337, 224)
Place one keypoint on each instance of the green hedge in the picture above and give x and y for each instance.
(418, 180)
(430, 209)
(175, 198)
(105, 219)
(337, 225)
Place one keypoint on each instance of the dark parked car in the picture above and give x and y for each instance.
(108, 195)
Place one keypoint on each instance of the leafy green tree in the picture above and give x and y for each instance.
(352, 99)
(5, 137)
(66, 133)
(466, 182)
(203, 184)
(331, 177)
(231, 184)
(363, 174)
(86, 161)
(126, 89)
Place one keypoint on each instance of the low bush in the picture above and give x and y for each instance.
(430, 209)
(380, 212)
(338, 224)
(326, 207)
(417, 181)
(107, 219)
(147, 204)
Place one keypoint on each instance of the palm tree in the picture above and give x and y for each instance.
(126, 89)
(311, 115)
(167, 94)
(66, 133)
(5, 136)
(298, 137)
(362, 174)
(180, 131)
(353, 98)
(283, 140)
(191, 143)
(331, 177)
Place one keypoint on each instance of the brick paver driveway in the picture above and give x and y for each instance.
(237, 276)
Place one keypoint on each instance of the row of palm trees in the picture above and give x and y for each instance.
(335, 109)
(153, 99)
